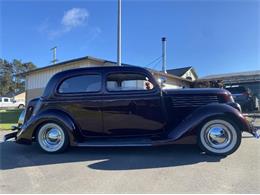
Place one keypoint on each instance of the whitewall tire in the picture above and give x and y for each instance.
(52, 138)
(219, 137)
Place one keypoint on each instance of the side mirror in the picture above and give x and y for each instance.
(162, 81)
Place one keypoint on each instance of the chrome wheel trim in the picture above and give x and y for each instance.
(51, 137)
(218, 136)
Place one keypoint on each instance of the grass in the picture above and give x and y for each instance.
(8, 118)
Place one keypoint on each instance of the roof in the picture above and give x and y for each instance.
(12, 94)
(236, 74)
(100, 68)
(181, 71)
(69, 61)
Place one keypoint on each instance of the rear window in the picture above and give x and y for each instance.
(235, 90)
(81, 84)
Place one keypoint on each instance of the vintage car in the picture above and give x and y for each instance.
(126, 106)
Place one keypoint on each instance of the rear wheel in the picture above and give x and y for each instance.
(219, 137)
(52, 138)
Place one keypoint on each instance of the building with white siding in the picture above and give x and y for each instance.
(37, 79)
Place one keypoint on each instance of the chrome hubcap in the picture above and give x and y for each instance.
(218, 136)
(51, 137)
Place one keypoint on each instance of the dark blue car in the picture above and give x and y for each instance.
(126, 106)
(244, 97)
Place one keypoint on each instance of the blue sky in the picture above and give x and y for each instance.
(212, 36)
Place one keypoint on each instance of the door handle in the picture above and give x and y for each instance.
(132, 107)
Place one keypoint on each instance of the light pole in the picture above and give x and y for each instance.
(164, 55)
(119, 34)
(54, 55)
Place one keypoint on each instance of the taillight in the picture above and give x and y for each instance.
(29, 112)
(33, 107)
(21, 118)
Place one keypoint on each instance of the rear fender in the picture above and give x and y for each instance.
(191, 123)
(29, 128)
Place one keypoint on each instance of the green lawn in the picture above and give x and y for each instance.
(9, 118)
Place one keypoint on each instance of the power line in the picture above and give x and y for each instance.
(156, 64)
(154, 61)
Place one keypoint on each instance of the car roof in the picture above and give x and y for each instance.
(106, 68)
(83, 70)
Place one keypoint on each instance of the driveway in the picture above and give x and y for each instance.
(167, 169)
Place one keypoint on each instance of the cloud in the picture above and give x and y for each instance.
(71, 19)
(74, 17)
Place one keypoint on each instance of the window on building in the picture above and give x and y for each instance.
(128, 82)
(81, 84)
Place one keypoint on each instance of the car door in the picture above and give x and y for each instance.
(132, 105)
(80, 96)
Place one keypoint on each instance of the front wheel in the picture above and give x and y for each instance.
(52, 138)
(219, 137)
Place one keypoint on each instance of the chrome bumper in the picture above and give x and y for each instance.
(12, 135)
(256, 132)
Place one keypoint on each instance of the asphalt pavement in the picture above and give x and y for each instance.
(167, 169)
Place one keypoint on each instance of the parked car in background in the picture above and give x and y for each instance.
(6, 102)
(244, 97)
(126, 106)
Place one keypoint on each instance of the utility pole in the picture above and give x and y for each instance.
(119, 34)
(54, 59)
(164, 54)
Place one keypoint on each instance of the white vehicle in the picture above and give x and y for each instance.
(6, 102)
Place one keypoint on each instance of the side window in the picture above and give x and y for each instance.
(6, 100)
(128, 82)
(81, 84)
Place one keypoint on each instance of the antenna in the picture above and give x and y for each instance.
(54, 55)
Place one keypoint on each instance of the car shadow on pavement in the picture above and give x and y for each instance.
(18, 156)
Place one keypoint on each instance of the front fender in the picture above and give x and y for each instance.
(200, 115)
(28, 129)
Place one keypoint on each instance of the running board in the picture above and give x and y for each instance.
(130, 142)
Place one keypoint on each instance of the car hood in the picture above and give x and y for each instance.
(199, 91)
